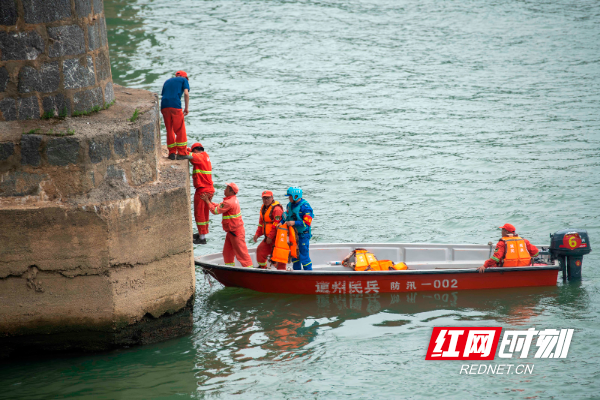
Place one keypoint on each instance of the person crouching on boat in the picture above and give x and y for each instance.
(299, 215)
(511, 251)
(271, 214)
(235, 240)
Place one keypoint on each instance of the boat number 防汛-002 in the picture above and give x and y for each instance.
(437, 284)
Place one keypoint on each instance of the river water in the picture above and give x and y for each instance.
(403, 121)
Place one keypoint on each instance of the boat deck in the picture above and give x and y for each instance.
(411, 266)
(417, 256)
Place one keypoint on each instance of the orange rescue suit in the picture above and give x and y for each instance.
(281, 251)
(202, 177)
(516, 254)
(202, 171)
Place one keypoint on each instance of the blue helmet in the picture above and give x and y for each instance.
(295, 192)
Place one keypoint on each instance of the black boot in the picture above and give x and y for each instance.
(172, 156)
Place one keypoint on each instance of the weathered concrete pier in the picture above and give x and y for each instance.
(95, 223)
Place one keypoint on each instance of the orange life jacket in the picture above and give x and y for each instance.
(366, 261)
(515, 253)
(281, 249)
(399, 267)
(267, 217)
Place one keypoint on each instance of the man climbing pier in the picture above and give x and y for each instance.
(202, 177)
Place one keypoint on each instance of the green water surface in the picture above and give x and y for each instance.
(403, 121)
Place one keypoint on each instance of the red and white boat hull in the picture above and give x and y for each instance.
(352, 282)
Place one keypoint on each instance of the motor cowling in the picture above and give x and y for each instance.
(568, 246)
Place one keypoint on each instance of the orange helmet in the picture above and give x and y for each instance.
(233, 187)
(183, 74)
(197, 145)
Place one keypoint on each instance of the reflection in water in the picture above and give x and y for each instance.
(249, 328)
(500, 304)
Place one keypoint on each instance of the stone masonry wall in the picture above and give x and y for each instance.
(96, 267)
(53, 58)
(102, 146)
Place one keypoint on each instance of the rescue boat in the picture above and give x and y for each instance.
(430, 267)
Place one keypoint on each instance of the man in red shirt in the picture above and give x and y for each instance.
(496, 260)
(235, 240)
(202, 177)
(270, 217)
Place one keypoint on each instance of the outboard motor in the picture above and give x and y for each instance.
(569, 246)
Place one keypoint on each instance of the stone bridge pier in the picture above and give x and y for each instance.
(95, 222)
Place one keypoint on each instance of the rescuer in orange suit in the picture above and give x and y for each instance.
(202, 177)
(173, 114)
(270, 216)
(235, 240)
(500, 254)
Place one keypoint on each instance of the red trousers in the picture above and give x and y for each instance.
(201, 210)
(235, 246)
(175, 125)
(262, 251)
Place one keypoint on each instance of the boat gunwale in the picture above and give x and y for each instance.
(208, 266)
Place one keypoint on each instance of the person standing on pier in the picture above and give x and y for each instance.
(202, 177)
(235, 240)
(173, 115)
(270, 216)
(299, 215)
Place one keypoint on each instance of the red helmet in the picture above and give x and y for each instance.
(508, 227)
(197, 145)
(181, 73)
